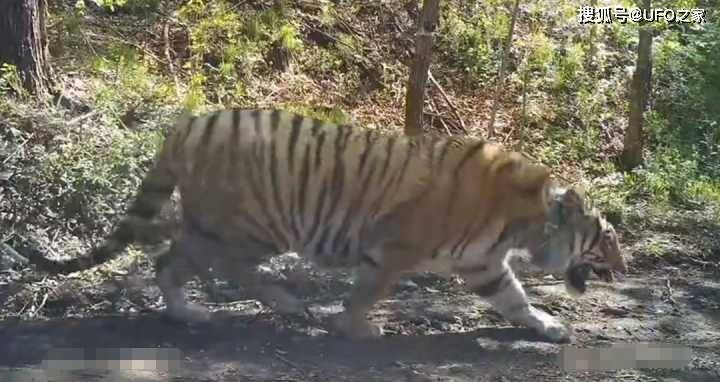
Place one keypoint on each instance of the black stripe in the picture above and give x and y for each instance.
(304, 178)
(369, 143)
(431, 150)
(317, 125)
(463, 239)
(255, 115)
(297, 121)
(324, 236)
(184, 134)
(275, 120)
(500, 239)
(596, 238)
(255, 171)
(236, 114)
(293, 218)
(493, 286)
(448, 142)
(352, 210)
(470, 153)
(259, 196)
(365, 258)
(254, 223)
(322, 195)
(203, 145)
(258, 146)
(234, 155)
(274, 181)
(318, 149)
(338, 178)
(403, 169)
(388, 156)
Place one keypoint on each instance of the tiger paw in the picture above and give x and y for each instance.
(355, 329)
(555, 331)
(191, 313)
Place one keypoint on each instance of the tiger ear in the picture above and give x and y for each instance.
(573, 198)
(573, 203)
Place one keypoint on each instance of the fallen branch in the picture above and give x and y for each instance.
(18, 148)
(436, 113)
(447, 100)
(12, 253)
(544, 283)
(82, 117)
(287, 361)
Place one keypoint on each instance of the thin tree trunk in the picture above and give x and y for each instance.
(592, 50)
(24, 43)
(641, 86)
(419, 71)
(501, 71)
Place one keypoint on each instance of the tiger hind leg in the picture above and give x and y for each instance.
(195, 253)
(372, 284)
(173, 269)
(504, 292)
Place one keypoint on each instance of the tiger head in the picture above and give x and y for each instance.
(578, 240)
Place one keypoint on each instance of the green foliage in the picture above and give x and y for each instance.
(89, 170)
(124, 81)
(325, 113)
(128, 6)
(670, 176)
(570, 68)
(688, 111)
(228, 47)
(469, 38)
(10, 80)
(540, 52)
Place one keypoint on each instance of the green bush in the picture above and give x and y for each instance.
(229, 47)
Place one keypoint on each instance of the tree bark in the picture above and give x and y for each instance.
(501, 72)
(24, 42)
(419, 71)
(641, 86)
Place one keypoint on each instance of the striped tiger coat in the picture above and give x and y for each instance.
(255, 183)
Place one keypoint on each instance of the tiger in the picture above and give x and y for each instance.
(254, 183)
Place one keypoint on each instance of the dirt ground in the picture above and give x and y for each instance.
(435, 330)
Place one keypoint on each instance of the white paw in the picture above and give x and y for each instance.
(355, 328)
(189, 313)
(556, 332)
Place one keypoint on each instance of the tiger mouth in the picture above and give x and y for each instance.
(578, 274)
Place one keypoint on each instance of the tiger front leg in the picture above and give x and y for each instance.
(372, 284)
(504, 292)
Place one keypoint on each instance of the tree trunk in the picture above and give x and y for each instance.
(419, 71)
(501, 72)
(24, 43)
(631, 156)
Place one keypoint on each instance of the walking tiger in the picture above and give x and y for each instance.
(256, 183)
